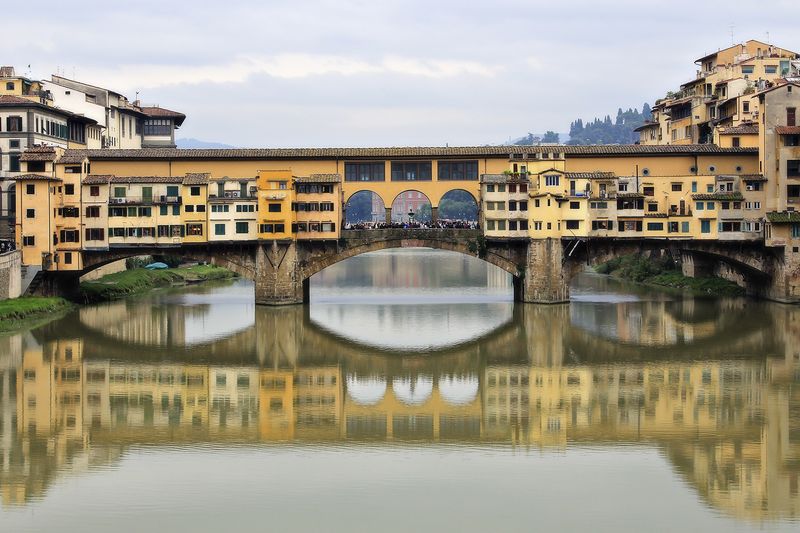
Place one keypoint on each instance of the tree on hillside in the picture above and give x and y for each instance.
(550, 137)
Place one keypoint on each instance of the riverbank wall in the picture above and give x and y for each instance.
(10, 275)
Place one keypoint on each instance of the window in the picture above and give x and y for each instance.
(652, 207)
(457, 171)
(770, 69)
(68, 235)
(200, 208)
(791, 116)
(710, 206)
(94, 190)
(694, 186)
(552, 180)
(157, 127)
(95, 234)
(795, 231)
(747, 69)
(145, 211)
(246, 208)
(29, 240)
(791, 140)
(700, 206)
(411, 171)
(752, 205)
(30, 213)
(163, 210)
(36, 166)
(194, 191)
(602, 225)
(189, 208)
(364, 171)
(574, 205)
(490, 225)
(655, 226)
(677, 187)
(684, 227)
(709, 188)
(219, 229)
(14, 123)
(705, 226)
(194, 230)
(69, 188)
(242, 227)
(793, 167)
(573, 224)
(490, 187)
(598, 205)
(523, 205)
(93, 211)
(648, 190)
(745, 107)
(274, 208)
(13, 163)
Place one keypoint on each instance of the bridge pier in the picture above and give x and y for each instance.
(546, 280)
(277, 279)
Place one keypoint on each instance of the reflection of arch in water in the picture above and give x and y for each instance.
(411, 205)
(364, 206)
(459, 390)
(458, 204)
(413, 390)
(365, 390)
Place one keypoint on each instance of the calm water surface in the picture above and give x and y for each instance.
(412, 394)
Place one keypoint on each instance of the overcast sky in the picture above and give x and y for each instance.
(280, 73)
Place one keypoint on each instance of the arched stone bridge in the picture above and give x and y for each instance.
(541, 268)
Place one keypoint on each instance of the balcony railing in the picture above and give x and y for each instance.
(145, 200)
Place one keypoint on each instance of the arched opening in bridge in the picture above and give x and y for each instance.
(411, 207)
(364, 207)
(458, 205)
(418, 299)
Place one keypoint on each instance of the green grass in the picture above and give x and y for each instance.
(14, 314)
(665, 273)
(139, 280)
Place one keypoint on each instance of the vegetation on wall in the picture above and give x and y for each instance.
(665, 272)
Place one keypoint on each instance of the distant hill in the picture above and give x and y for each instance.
(538, 138)
(196, 143)
(604, 131)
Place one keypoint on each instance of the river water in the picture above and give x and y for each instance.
(411, 395)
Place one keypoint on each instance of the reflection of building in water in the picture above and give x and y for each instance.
(159, 325)
(653, 322)
(731, 428)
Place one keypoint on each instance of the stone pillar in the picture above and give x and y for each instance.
(388, 215)
(434, 214)
(693, 266)
(277, 278)
(546, 280)
(785, 283)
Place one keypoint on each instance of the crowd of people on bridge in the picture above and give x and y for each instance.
(7, 246)
(438, 224)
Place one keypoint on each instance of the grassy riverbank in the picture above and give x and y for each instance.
(20, 312)
(139, 280)
(664, 273)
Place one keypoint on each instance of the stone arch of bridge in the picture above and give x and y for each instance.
(493, 258)
(357, 211)
(238, 260)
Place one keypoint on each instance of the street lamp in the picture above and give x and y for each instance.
(410, 215)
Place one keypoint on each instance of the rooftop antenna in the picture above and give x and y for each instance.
(732, 39)
(768, 38)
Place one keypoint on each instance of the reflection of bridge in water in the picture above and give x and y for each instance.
(727, 422)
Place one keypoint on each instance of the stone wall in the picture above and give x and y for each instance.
(105, 270)
(546, 280)
(10, 275)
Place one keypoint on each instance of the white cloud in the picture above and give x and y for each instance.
(285, 66)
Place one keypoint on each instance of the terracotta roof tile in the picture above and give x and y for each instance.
(401, 152)
(196, 178)
(787, 130)
(72, 158)
(39, 153)
(753, 177)
(35, 177)
(97, 179)
(319, 178)
(162, 112)
(590, 175)
(744, 129)
(736, 196)
(783, 216)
